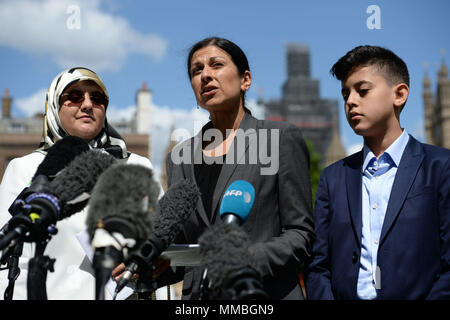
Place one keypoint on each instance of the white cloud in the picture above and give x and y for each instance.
(115, 114)
(29, 106)
(94, 38)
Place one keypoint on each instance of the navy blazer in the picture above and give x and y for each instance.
(414, 252)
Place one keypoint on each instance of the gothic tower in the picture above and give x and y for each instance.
(437, 109)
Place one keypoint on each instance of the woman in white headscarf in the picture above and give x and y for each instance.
(76, 105)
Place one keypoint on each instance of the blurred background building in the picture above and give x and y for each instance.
(302, 105)
(437, 108)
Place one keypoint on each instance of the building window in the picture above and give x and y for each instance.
(17, 128)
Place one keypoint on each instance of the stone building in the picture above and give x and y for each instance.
(302, 105)
(437, 109)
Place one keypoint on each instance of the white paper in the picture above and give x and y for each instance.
(83, 238)
(187, 255)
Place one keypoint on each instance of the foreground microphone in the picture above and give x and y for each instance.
(119, 217)
(177, 204)
(58, 157)
(224, 249)
(237, 202)
(67, 194)
(231, 270)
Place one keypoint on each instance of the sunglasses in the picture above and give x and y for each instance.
(77, 96)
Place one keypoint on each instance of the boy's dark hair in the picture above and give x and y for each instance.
(393, 68)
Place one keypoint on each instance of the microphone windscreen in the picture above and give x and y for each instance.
(124, 199)
(224, 250)
(238, 199)
(175, 207)
(77, 178)
(60, 155)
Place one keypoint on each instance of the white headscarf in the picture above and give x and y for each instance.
(107, 139)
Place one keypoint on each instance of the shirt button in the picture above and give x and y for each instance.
(375, 163)
(377, 241)
(374, 206)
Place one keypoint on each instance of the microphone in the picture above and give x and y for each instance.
(231, 271)
(120, 217)
(69, 193)
(3, 230)
(58, 156)
(174, 208)
(75, 183)
(237, 202)
(59, 199)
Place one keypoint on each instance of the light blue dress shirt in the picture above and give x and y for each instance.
(378, 177)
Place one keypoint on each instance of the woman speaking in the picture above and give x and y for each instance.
(280, 224)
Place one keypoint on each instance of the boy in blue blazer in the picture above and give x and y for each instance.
(382, 215)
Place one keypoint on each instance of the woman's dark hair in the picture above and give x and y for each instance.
(394, 68)
(237, 55)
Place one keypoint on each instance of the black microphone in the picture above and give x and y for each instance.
(70, 189)
(58, 157)
(67, 194)
(174, 208)
(3, 230)
(60, 154)
(120, 217)
(231, 271)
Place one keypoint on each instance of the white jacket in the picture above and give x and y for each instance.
(73, 278)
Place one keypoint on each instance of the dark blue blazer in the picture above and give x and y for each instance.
(414, 249)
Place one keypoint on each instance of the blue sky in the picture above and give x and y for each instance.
(129, 42)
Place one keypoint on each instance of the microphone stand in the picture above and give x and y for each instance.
(38, 267)
(104, 261)
(146, 286)
(13, 266)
